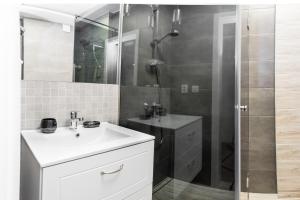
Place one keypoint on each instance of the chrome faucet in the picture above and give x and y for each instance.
(75, 120)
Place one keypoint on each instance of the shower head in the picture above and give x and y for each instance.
(174, 32)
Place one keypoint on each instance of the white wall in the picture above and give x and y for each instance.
(9, 102)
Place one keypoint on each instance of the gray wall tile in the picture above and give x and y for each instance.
(262, 181)
(261, 47)
(261, 142)
(262, 74)
(261, 102)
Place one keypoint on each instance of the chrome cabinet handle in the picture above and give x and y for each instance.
(113, 172)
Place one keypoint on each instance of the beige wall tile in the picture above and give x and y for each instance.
(41, 99)
(259, 196)
(288, 79)
(284, 66)
(287, 137)
(287, 98)
(289, 195)
(287, 120)
(289, 184)
(288, 152)
(288, 168)
(287, 95)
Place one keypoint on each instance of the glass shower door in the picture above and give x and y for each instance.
(178, 84)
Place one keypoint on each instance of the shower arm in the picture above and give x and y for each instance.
(161, 39)
(157, 41)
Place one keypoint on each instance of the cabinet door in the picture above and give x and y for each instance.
(108, 176)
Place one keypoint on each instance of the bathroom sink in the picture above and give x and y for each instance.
(68, 138)
(67, 144)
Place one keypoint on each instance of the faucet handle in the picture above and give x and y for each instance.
(73, 114)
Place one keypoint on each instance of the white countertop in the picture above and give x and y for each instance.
(63, 145)
(170, 121)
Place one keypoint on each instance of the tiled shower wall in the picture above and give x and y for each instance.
(260, 152)
(42, 99)
(133, 97)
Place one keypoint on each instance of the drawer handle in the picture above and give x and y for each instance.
(113, 172)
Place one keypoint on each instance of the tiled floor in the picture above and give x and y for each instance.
(179, 190)
(173, 189)
(257, 196)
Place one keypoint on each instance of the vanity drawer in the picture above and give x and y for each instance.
(188, 137)
(192, 155)
(110, 176)
(188, 171)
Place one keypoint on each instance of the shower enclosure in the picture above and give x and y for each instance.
(94, 53)
(179, 82)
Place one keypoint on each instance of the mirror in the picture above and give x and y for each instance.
(70, 43)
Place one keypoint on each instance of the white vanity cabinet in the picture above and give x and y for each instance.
(113, 175)
(124, 173)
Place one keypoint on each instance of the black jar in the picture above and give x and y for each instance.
(48, 125)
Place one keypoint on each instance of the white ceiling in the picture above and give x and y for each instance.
(72, 9)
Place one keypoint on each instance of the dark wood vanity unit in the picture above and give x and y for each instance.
(178, 145)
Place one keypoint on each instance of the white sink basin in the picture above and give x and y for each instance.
(68, 138)
(66, 144)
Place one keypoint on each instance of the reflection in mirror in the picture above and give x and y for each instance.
(94, 60)
(129, 60)
(48, 51)
(70, 43)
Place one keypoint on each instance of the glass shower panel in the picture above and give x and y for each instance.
(244, 102)
(178, 84)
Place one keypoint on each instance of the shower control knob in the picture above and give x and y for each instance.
(244, 108)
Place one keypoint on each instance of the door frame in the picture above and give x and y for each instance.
(220, 20)
(128, 36)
